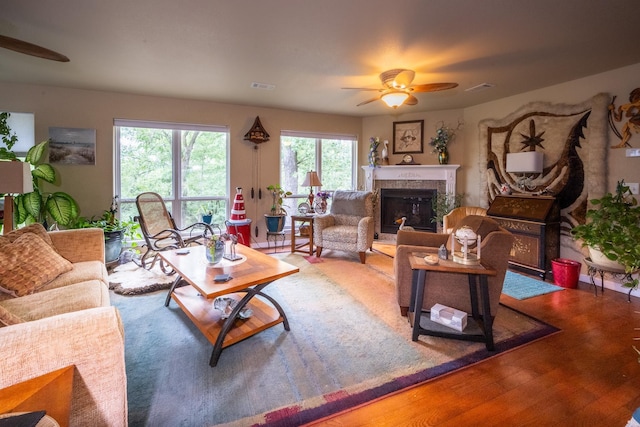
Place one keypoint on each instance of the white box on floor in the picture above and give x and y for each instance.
(448, 316)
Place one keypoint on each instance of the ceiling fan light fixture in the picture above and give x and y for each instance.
(394, 99)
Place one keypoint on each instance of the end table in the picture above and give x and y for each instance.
(298, 247)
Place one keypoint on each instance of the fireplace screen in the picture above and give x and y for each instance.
(413, 204)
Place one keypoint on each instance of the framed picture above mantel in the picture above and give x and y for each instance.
(408, 137)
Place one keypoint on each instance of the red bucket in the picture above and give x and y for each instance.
(566, 272)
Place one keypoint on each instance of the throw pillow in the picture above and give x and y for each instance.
(29, 263)
(7, 318)
(35, 228)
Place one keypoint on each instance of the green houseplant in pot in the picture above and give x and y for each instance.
(276, 218)
(442, 204)
(38, 206)
(613, 230)
(115, 231)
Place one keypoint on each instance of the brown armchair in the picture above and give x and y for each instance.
(349, 225)
(452, 289)
(451, 220)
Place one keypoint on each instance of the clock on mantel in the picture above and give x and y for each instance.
(407, 159)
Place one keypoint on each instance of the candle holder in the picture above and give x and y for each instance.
(467, 239)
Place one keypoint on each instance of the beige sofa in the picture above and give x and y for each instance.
(66, 321)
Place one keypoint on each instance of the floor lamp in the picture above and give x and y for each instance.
(15, 178)
(311, 180)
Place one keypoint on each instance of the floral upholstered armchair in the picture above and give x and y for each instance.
(349, 226)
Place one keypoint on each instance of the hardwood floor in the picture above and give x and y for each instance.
(586, 375)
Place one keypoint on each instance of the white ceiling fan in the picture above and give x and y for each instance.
(31, 49)
(397, 89)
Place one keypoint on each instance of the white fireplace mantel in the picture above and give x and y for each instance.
(413, 173)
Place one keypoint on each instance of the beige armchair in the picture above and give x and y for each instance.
(349, 226)
(450, 220)
(452, 289)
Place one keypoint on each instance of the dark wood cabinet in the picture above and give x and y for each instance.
(535, 224)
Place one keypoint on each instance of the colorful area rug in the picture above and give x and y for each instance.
(347, 345)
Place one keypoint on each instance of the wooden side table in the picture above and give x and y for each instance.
(481, 331)
(298, 247)
(50, 392)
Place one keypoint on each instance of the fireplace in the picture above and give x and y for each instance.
(414, 204)
(440, 179)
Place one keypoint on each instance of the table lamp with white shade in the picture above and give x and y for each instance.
(527, 162)
(15, 178)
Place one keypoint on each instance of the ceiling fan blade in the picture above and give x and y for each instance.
(362, 88)
(368, 101)
(403, 79)
(411, 100)
(31, 49)
(433, 87)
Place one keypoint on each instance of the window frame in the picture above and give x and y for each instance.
(174, 203)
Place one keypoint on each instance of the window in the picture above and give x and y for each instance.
(333, 157)
(186, 164)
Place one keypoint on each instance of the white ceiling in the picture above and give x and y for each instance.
(310, 49)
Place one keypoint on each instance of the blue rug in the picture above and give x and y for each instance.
(348, 345)
(523, 287)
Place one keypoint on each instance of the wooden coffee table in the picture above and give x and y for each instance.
(250, 275)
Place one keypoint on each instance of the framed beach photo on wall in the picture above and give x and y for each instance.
(72, 146)
(408, 137)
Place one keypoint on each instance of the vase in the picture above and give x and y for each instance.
(443, 157)
(321, 206)
(215, 252)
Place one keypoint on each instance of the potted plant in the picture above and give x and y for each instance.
(206, 212)
(613, 230)
(115, 231)
(442, 204)
(275, 219)
(38, 206)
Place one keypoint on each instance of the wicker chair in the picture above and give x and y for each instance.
(451, 220)
(349, 226)
(160, 231)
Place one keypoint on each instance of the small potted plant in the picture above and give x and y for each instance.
(115, 231)
(612, 231)
(275, 219)
(206, 212)
(442, 204)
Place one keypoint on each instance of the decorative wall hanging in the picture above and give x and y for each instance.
(407, 137)
(631, 112)
(257, 134)
(574, 141)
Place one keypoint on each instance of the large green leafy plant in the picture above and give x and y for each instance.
(38, 206)
(613, 227)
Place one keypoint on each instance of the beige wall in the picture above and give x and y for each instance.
(618, 82)
(92, 186)
(465, 150)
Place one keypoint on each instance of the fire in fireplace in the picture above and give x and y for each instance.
(414, 204)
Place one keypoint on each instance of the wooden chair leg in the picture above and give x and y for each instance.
(363, 257)
(318, 251)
